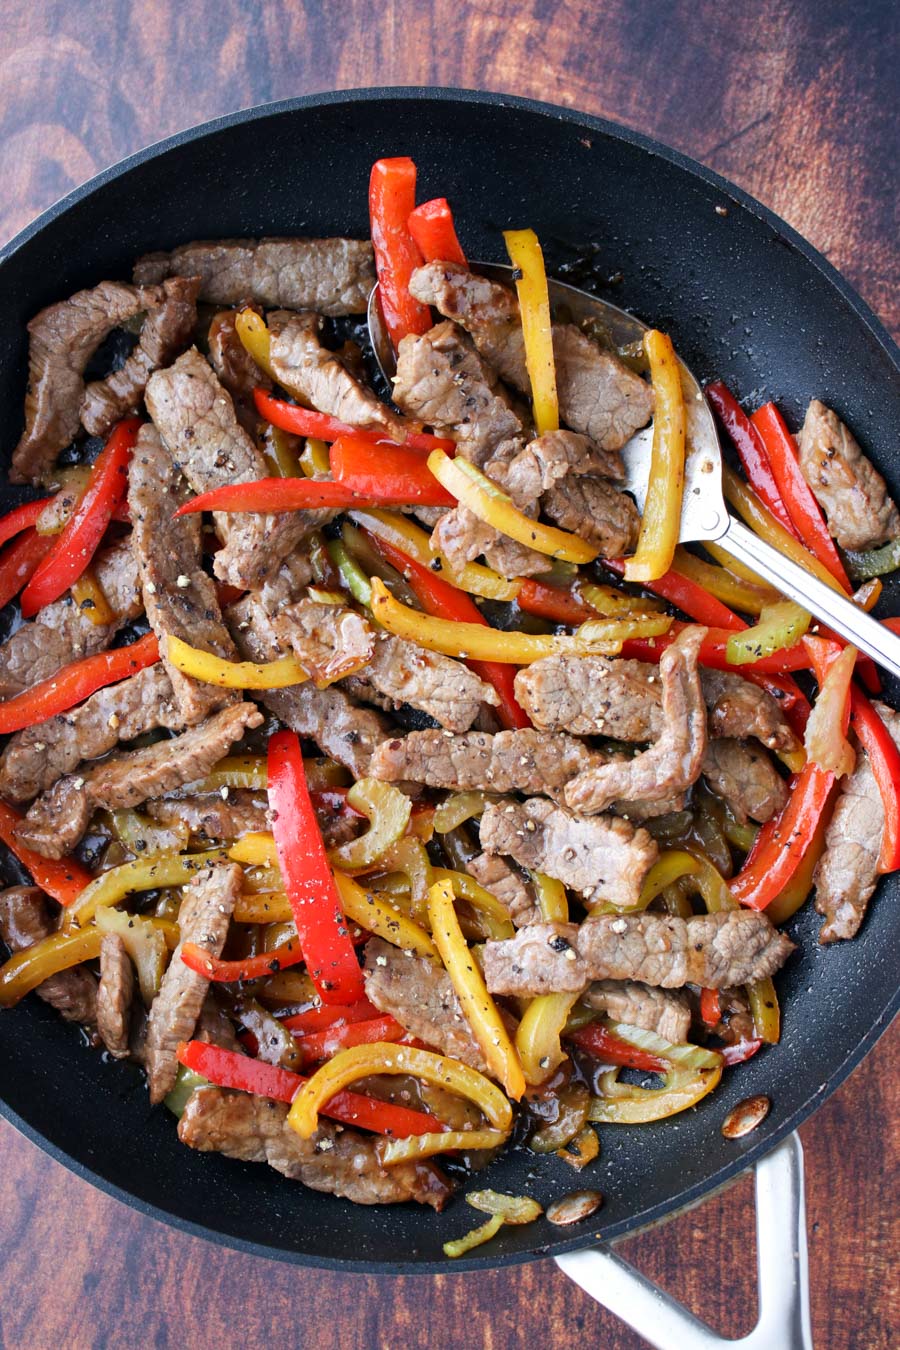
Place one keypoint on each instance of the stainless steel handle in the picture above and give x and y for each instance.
(836, 610)
(782, 1267)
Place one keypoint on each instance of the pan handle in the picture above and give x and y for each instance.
(783, 1273)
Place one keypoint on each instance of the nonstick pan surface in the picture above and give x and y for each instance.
(745, 298)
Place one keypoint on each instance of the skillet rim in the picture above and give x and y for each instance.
(862, 312)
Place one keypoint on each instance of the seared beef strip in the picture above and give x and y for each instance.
(340, 1161)
(114, 995)
(601, 857)
(445, 689)
(739, 709)
(179, 598)
(60, 634)
(205, 914)
(331, 276)
(234, 366)
(510, 761)
(674, 761)
(33, 759)
(319, 378)
(461, 537)
(328, 640)
(507, 885)
(546, 461)
(664, 1011)
(847, 486)
(743, 775)
(211, 816)
(57, 820)
(24, 920)
(598, 395)
(347, 733)
(62, 339)
(596, 511)
(715, 951)
(848, 871)
(195, 416)
(420, 995)
(165, 332)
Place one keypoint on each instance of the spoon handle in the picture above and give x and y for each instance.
(839, 613)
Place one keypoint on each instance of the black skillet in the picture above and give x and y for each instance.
(744, 298)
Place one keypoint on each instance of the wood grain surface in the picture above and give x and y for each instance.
(796, 100)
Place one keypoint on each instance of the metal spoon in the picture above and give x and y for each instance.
(704, 514)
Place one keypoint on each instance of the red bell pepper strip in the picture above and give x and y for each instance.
(309, 494)
(74, 683)
(21, 518)
(228, 1068)
(392, 199)
(431, 226)
(689, 597)
(216, 970)
(330, 1015)
(893, 624)
(741, 1052)
(610, 1049)
(783, 841)
(884, 759)
(305, 422)
(710, 1007)
(372, 470)
(319, 1045)
(438, 597)
(20, 561)
(74, 547)
(315, 903)
(751, 451)
(64, 879)
(796, 494)
(553, 603)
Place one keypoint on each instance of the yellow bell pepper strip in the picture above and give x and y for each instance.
(91, 601)
(762, 522)
(65, 880)
(415, 1147)
(483, 643)
(525, 254)
(538, 1033)
(478, 1007)
(766, 1014)
(623, 1104)
(74, 683)
(413, 542)
(486, 501)
(388, 811)
(431, 226)
(270, 907)
(495, 915)
(315, 901)
(392, 200)
(376, 916)
(551, 897)
(200, 665)
(609, 601)
(236, 771)
(780, 626)
(665, 487)
(280, 453)
(256, 339)
(144, 874)
(409, 857)
(146, 941)
(476, 1237)
(581, 1150)
(315, 462)
(513, 1209)
(363, 1060)
(724, 584)
(458, 808)
(60, 951)
(306, 422)
(256, 848)
(826, 731)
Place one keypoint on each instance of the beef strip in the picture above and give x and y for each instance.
(506, 884)
(319, 378)
(214, 1026)
(674, 760)
(211, 816)
(328, 640)
(114, 995)
(233, 364)
(205, 914)
(545, 462)
(62, 339)
(743, 775)
(598, 395)
(715, 951)
(739, 709)
(339, 1161)
(24, 920)
(332, 276)
(165, 332)
(420, 995)
(664, 1011)
(61, 634)
(445, 689)
(461, 537)
(596, 511)
(179, 598)
(510, 761)
(195, 416)
(341, 729)
(847, 873)
(602, 857)
(56, 821)
(847, 486)
(33, 759)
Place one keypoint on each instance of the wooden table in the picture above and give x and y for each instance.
(793, 99)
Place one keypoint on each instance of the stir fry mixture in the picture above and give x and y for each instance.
(380, 780)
